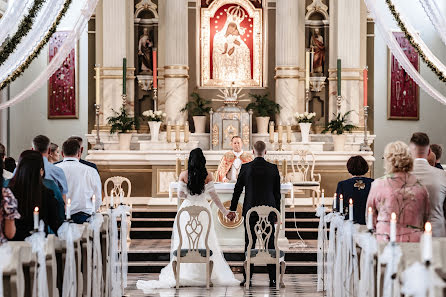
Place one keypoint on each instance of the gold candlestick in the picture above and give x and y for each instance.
(169, 133)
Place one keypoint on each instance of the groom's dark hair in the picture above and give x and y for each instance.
(259, 147)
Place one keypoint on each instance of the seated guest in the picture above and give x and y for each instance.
(232, 161)
(10, 164)
(438, 151)
(434, 180)
(41, 144)
(399, 192)
(431, 159)
(27, 186)
(6, 174)
(79, 139)
(357, 188)
(83, 182)
(8, 212)
(54, 155)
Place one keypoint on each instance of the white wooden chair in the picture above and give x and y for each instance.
(192, 252)
(303, 177)
(263, 255)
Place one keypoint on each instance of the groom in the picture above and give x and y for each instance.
(261, 181)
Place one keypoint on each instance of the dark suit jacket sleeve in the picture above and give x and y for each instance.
(238, 189)
(277, 195)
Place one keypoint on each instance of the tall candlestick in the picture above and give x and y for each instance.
(177, 132)
(280, 132)
(186, 132)
(341, 204)
(111, 200)
(350, 209)
(334, 201)
(393, 227)
(169, 132)
(307, 70)
(370, 219)
(93, 201)
(365, 86)
(98, 83)
(339, 76)
(427, 242)
(271, 132)
(36, 218)
(155, 71)
(288, 133)
(68, 214)
(284, 168)
(124, 76)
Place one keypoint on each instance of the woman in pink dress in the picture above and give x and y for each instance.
(399, 192)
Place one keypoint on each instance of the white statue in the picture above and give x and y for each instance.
(144, 51)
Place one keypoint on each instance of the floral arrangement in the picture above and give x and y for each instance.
(121, 122)
(154, 116)
(339, 124)
(305, 117)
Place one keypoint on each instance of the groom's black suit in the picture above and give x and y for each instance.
(261, 181)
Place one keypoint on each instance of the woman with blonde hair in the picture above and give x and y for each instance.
(400, 192)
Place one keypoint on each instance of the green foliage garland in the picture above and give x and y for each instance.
(26, 24)
(37, 50)
(411, 40)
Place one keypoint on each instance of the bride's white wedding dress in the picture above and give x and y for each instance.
(194, 274)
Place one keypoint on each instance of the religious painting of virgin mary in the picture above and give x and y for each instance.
(231, 44)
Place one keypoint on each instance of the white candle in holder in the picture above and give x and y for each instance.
(111, 200)
(427, 242)
(271, 132)
(177, 132)
(93, 201)
(334, 201)
(121, 197)
(341, 204)
(68, 214)
(393, 227)
(323, 197)
(36, 218)
(370, 219)
(350, 210)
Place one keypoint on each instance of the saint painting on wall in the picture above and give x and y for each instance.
(317, 47)
(403, 93)
(145, 47)
(231, 44)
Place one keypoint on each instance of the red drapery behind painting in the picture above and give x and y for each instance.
(218, 22)
(62, 84)
(403, 90)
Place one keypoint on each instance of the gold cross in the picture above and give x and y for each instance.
(360, 185)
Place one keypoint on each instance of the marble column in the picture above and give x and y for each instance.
(4, 94)
(345, 43)
(288, 72)
(176, 59)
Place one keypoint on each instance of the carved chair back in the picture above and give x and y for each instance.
(302, 164)
(117, 189)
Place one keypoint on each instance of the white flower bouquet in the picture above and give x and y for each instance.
(154, 116)
(305, 117)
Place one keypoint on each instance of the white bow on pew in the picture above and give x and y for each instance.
(38, 242)
(95, 224)
(420, 281)
(6, 252)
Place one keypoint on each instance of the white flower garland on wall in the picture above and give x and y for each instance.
(438, 21)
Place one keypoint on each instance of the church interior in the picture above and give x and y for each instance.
(336, 91)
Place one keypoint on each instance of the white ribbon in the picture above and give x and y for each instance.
(321, 247)
(12, 17)
(95, 224)
(350, 277)
(335, 220)
(6, 252)
(122, 210)
(369, 248)
(390, 256)
(115, 267)
(38, 242)
(420, 281)
(70, 232)
(338, 265)
(438, 21)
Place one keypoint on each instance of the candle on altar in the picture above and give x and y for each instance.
(341, 204)
(178, 167)
(288, 132)
(98, 83)
(370, 219)
(393, 227)
(307, 70)
(280, 132)
(365, 86)
(427, 242)
(186, 132)
(284, 168)
(68, 212)
(334, 201)
(124, 76)
(169, 132)
(339, 76)
(177, 132)
(93, 201)
(323, 197)
(155, 71)
(36, 218)
(350, 210)
(271, 132)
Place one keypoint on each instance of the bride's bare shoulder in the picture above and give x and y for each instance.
(209, 178)
(183, 176)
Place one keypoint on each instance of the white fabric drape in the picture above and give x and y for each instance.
(6, 252)
(59, 58)
(396, 50)
(123, 211)
(115, 267)
(12, 17)
(437, 19)
(391, 256)
(95, 225)
(321, 248)
(420, 281)
(369, 248)
(336, 222)
(40, 27)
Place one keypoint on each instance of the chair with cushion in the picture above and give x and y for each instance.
(192, 251)
(263, 255)
(303, 177)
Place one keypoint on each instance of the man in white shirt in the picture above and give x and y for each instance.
(83, 183)
(433, 178)
(232, 161)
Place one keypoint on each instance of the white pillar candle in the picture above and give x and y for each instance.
(169, 132)
(111, 200)
(393, 227)
(427, 242)
(177, 132)
(68, 214)
(121, 197)
(334, 201)
(288, 133)
(271, 132)
(93, 201)
(280, 132)
(350, 209)
(98, 83)
(36, 218)
(341, 204)
(370, 219)
(323, 197)
(186, 132)
(307, 71)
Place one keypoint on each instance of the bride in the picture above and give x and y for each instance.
(194, 185)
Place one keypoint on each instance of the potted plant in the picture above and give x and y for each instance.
(305, 120)
(154, 119)
(198, 108)
(264, 108)
(337, 127)
(122, 124)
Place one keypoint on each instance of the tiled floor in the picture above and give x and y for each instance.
(296, 285)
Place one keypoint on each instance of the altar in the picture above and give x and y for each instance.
(233, 233)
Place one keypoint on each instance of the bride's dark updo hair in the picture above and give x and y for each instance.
(196, 172)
